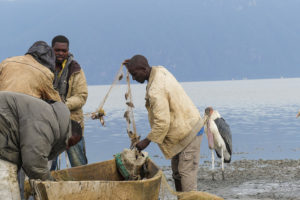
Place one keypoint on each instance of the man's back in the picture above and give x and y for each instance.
(25, 75)
(34, 130)
(173, 117)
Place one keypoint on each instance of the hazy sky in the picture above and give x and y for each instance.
(195, 39)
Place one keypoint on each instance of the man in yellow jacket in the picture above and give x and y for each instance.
(175, 121)
(71, 84)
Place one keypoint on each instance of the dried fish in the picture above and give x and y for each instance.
(126, 95)
(126, 114)
(120, 76)
(130, 104)
(130, 133)
(102, 120)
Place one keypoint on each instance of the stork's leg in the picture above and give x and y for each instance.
(222, 157)
(213, 165)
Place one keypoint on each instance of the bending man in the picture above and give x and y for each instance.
(174, 119)
(31, 133)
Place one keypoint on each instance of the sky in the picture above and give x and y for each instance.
(197, 40)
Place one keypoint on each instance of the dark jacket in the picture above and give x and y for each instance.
(32, 132)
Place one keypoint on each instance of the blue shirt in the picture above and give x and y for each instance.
(201, 131)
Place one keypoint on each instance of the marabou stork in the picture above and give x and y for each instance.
(219, 137)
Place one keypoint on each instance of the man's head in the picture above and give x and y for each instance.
(76, 134)
(43, 53)
(60, 45)
(138, 67)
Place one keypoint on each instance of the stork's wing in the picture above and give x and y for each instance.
(225, 132)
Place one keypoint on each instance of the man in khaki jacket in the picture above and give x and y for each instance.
(71, 84)
(174, 119)
(31, 74)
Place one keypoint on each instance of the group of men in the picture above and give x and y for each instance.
(41, 98)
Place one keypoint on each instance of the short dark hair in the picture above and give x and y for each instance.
(138, 61)
(60, 38)
(76, 128)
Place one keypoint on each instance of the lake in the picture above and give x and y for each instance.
(261, 114)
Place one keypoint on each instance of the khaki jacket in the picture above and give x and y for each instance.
(174, 119)
(24, 74)
(77, 95)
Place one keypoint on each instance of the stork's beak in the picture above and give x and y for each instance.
(205, 119)
(298, 114)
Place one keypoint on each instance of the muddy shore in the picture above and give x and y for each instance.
(249, 179)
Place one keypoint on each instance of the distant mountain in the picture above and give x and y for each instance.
(195, 39)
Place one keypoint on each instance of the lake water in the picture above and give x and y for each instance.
(261, 114)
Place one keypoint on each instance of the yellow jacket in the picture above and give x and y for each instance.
(77, 95)
(24, 74)
(174, 119)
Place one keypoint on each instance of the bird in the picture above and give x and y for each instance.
(298, 114)
(219, 138)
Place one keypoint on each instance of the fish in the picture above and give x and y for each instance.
(102, 120)
(120, 77)
(127, 117)
(126, 95)
(130, 104)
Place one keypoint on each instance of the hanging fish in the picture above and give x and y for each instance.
(99, 115)
(127, 116)
(130, 104)
(102, 120)
(126, 95)
(129, 133)
(120, 76)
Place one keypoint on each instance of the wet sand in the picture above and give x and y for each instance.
(249, 179)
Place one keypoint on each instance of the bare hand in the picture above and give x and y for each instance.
(143, 144)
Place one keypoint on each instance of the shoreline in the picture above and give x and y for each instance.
(248, 179)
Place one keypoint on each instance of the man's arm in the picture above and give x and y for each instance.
(79, 92)
(160, 115)
(35, 144)
(48, 92)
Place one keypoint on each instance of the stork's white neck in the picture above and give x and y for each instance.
(215, 115)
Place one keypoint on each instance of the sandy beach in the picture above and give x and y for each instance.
(249, 179)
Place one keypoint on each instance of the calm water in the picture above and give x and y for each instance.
(261, 114)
